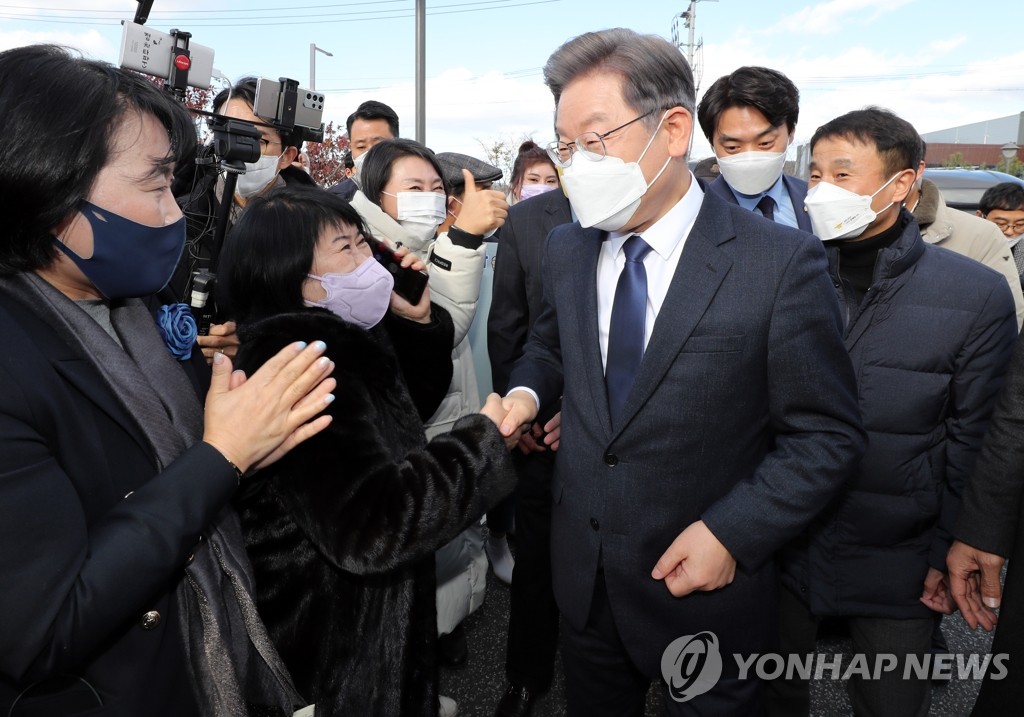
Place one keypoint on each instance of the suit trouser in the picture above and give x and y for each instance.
(602, 681)
(891, 694)
(533, 615)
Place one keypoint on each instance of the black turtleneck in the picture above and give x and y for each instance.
(857, 257)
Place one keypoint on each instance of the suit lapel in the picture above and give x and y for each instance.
(701, 270)
(797, 191)
(591, 241)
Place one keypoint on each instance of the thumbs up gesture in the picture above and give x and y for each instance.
(483, 210)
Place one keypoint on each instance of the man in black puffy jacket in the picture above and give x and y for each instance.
(929, 333)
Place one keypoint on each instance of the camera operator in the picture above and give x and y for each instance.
(279, 150)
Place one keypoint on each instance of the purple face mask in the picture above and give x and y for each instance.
(532, 190)
(360, 297)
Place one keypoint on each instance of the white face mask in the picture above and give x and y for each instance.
(258, 175)
(606, 193)
(420, 213)
(752, 172)
(357, 167)
(838, 213)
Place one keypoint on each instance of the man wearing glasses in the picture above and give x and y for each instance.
(708, 404)
(1003, 205)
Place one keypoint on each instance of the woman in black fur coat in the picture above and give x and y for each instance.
(342, 531)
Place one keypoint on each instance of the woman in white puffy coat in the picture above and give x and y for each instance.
(403, 199)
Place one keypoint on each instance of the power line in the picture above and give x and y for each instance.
(358, 16)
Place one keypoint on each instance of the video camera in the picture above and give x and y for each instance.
(282, 104)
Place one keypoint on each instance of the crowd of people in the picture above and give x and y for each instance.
(730, 406)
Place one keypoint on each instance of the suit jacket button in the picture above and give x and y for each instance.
(594, 524)
(150, 620)
(610, 459)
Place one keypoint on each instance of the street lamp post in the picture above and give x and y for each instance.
(1009, 151)
(313, 49)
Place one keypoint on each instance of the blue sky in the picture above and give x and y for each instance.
(934, 62)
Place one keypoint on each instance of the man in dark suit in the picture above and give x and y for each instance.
(749, 117)
(515, 305)
(371, 123)
(987, 532)
(708, 405)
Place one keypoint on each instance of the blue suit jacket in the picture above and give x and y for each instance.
(743, 414)
(796, 188)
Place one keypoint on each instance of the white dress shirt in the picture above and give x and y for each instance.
(666, 238)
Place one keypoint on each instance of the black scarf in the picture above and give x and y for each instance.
(235, 668)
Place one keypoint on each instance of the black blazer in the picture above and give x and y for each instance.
(516, 301)
(744, 414)
(94, 540)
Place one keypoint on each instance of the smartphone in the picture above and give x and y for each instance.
(309, 108)
(409, 283)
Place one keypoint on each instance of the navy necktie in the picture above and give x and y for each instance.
(626, 331)
(767, 207)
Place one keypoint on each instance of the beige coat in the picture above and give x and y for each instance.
(969, 235)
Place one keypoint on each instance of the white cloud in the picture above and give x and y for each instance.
(91, 43)
(463, 109)
(836, 15)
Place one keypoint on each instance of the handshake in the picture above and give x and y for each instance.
(514, 416)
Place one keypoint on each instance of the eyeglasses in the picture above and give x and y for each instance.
(589, 144)
(1003, 224)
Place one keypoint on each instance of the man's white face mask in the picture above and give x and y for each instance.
(838, 213)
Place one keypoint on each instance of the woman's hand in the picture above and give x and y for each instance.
(254, 421)
(223, 338)
(419, 313)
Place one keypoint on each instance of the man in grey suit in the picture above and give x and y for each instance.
(708, 404)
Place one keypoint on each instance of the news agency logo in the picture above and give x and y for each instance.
(691, 665)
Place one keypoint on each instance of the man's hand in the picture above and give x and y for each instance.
(494, 409)
(974, 583)
(482, 210)
(222, 338)
(695, 561)
(936, 593)
(540, 438)
(520, 410)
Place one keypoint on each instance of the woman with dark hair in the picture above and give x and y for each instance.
(124, 587)
(533, 173)
(342, 531)
(201, 192)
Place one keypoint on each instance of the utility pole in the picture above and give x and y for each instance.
(421, 71)
(693, 49)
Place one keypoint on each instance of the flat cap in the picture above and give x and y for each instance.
(452, 164)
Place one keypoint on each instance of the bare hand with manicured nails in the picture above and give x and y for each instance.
(254, 421)
(696, 560)
(483, 210)
(974, 583)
